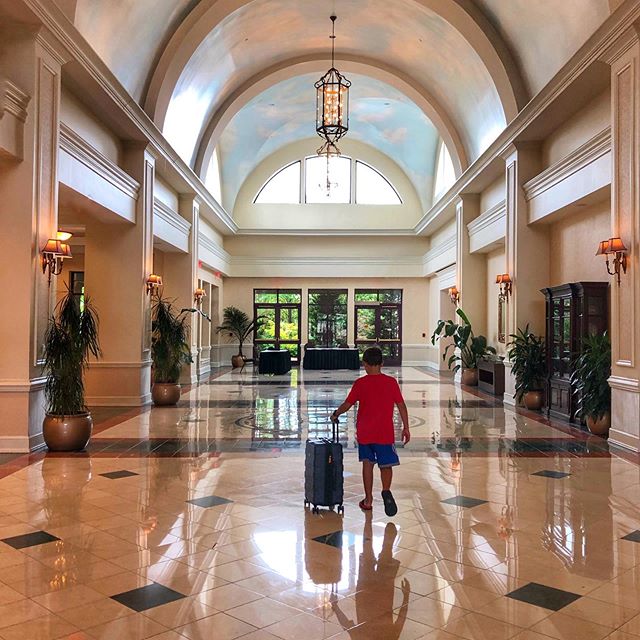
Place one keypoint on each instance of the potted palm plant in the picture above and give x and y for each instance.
(170, 349)
(527, 354)
(467, 348)
(71, 338)
(591, 371)
(237, 324)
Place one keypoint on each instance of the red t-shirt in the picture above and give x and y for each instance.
(376, 396)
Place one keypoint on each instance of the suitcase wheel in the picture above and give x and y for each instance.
(315, 510)
(341, 509)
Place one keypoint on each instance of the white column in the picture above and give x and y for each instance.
(624, 59)
(29, 214)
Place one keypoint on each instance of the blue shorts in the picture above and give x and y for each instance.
(383, 454)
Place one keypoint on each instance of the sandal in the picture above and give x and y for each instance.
(390, 506)
(363, 506)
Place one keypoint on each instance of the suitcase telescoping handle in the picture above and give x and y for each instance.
(335, 423)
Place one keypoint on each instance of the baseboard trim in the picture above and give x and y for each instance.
(508, 399)
(624, 440)
(18, 444)
(119, 401)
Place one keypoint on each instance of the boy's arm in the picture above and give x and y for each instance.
(343, 408)
(404, 416)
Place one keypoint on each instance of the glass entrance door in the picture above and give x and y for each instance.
(281, 311)
(379, 323)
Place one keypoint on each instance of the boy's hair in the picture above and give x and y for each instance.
(373, 356)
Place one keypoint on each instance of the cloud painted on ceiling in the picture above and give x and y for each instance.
(380, 116)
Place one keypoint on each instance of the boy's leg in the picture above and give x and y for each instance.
(367, 481)
(386, 476)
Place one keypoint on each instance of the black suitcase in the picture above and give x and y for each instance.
(323, 473)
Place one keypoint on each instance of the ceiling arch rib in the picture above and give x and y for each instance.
(317, 64)
(425, 20)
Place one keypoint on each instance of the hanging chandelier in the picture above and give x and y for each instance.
(332, 104)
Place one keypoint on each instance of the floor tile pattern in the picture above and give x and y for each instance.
(206, 535)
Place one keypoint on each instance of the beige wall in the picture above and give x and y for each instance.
(313, 246)
(492, 195)
(207, 230)
(239, 292)
(573, 241)
(443, 233)
(590, 120)
(165, 193)
(77, 117)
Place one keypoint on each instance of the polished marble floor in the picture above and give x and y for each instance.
(188, 523)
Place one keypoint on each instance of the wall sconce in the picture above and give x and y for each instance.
(54, 253)
(454, 295)
(615, 247)
(154, 282)
(504, 280)
(198, 295)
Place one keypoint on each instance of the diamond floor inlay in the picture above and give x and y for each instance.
(29, 539)
(148, 597)
(464, 501)
(550, 473)
(543, 596)
(209, 501)
(115, 475)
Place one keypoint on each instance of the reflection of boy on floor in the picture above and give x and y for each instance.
(377, 396)
(376, 590)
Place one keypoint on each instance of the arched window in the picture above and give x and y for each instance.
(372, 187)
(283, 187)
(341, 181)
(445, 173)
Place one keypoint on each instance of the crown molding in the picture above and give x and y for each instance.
(321, 261)
(213, 247)
(489, 217)
(171, 217)
(79, 149)
(441, 248)
(14, 101)
(325, 232)
(578, 159)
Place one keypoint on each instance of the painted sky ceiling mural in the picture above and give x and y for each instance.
(381, 117)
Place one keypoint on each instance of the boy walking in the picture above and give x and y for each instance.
(377, 395)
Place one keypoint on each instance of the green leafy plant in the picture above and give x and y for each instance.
(467, 348)
(591, 371)
(71, 338)
(170, 348)
(527, 354)
(238, 325)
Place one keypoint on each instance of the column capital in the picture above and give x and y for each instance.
(629, 38)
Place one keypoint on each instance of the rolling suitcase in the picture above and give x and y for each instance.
(323, 473)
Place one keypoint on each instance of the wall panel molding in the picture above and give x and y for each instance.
(488, 228)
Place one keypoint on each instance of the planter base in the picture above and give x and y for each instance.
(165, 395)
(533, 400)
(67, 433)
(469, 377)
(599, 427)
(237, 361)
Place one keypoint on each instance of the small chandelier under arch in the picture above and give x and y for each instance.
(332, 104)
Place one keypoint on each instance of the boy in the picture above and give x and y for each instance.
(376, 394)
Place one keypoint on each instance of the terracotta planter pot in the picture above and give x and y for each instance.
(469, 377)
(165, 394)
(533, 400)
(67, 433)
(237, 361)
(599, 427)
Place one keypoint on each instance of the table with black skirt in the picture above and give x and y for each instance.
(272, 361)
(331, 358)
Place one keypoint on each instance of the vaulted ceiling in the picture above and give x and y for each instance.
(200, 67)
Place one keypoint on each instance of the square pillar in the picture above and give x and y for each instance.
(527, 251)
(624, 59)
(118, 260)
(470, 268)
(29, 194)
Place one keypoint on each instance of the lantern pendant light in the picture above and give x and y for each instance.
(332, 104)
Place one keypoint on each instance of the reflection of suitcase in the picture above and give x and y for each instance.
(323, 566)
(323, 469)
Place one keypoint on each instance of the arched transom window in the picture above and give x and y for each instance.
(339, 180)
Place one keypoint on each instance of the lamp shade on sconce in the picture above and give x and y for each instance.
(603, 248)
(53, 246)
(65, 250)
(616, 246)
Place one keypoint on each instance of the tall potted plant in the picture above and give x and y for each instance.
(71, 338)
(591, 371)
(237, 324)
(170, 349)
(527, 354)
(467, 348)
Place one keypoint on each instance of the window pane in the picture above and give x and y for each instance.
(289, 296)
(266, 295)
(328, 317)
(339, 179)
(373, 188)
(391, 295)
(282, 188)
(366, 296)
